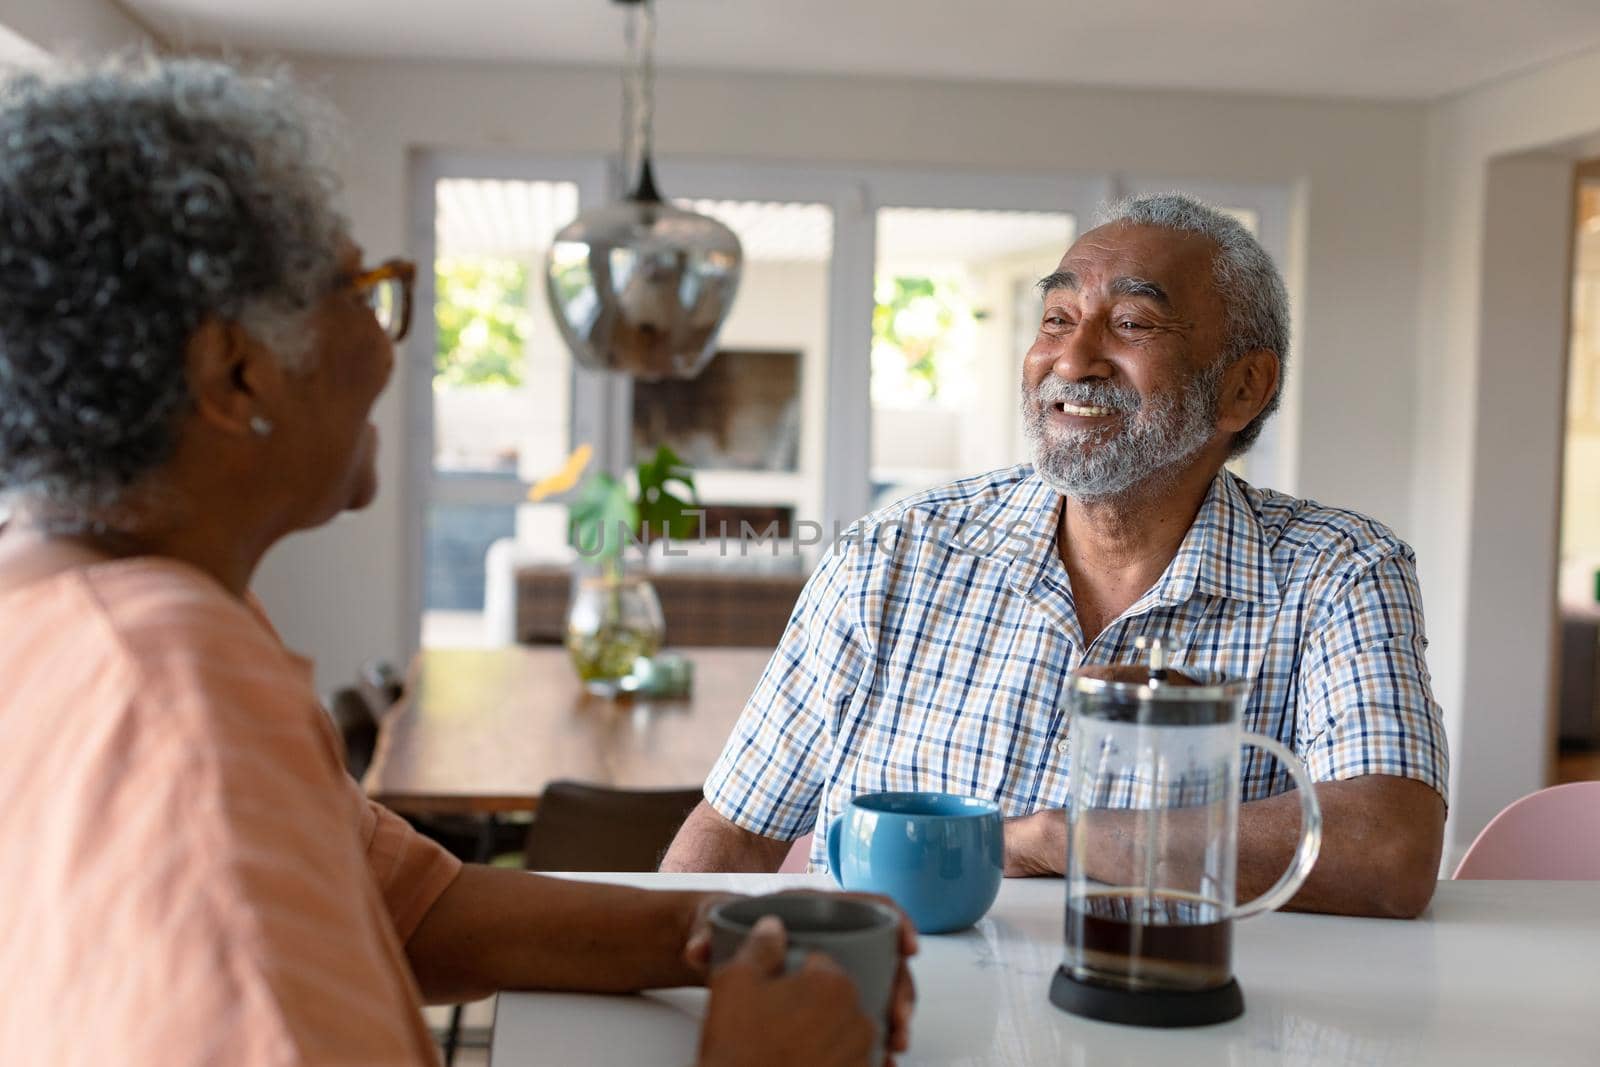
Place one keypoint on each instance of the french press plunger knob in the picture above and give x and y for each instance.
(1158, 657)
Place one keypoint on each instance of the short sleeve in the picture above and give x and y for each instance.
(1365, 700)
(411, 871)
(769, 777)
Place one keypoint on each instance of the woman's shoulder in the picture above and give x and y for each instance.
(169, 612)
(90, 601)
(170, 624)
(168, 659)
(159, 587)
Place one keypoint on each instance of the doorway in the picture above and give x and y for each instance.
(1577, 755)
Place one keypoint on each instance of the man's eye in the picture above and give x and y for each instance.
(1129, 324)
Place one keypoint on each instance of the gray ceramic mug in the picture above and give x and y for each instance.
(863, 938)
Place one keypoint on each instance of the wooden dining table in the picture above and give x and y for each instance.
(483, 731)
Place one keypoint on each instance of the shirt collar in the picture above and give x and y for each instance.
(1030, 519)
(1224, 553)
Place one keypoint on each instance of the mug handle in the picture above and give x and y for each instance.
(1305, 854)
(833, 849)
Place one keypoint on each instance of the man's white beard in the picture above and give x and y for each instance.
(1156, 435)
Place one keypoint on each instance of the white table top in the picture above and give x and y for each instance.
(1493, 973)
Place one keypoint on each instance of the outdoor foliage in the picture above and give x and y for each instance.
(481, 308)
(914, 322)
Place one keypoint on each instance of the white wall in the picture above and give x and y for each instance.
(1491, 357)
(1356, 168)
(72, 27)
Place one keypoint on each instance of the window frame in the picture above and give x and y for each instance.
(593, 396)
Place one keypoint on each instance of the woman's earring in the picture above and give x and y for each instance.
(260, 425)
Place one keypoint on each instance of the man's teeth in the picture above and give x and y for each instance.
(1076, 409)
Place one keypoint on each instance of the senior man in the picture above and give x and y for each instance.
(930, 650)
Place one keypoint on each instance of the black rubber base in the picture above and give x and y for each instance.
(1169, 1009)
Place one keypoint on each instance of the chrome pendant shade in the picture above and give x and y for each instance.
(641, 286)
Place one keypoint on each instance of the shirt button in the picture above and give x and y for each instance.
(1061, 747)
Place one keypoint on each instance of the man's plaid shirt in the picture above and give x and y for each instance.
(931, 648)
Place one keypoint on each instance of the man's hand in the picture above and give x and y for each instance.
(1036, 844)
(758, 1014)
(697, 954)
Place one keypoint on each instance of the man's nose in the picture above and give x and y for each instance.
(1081, 355)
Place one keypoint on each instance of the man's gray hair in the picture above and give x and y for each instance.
(1254, 299)
(138, 198)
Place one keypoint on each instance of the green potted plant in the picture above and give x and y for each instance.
(614, 616)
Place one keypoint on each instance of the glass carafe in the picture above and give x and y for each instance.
(1152, 844)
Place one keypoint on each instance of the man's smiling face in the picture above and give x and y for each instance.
(1120, 385)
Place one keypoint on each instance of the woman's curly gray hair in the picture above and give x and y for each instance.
(1255, 301)
(138, 198)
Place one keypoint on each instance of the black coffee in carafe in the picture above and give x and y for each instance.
(1136, 939)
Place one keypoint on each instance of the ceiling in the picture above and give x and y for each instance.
(1389, 49)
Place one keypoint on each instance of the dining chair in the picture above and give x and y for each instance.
(582, 827)
(357, 727)
(798, 858)
(382, 685)
(1553, 834)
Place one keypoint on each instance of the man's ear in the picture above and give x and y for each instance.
(1248, 385)
(228, 373)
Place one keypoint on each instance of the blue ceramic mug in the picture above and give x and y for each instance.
(937, 855)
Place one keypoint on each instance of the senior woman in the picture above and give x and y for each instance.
(189, 355)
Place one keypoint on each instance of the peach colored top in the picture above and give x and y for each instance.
(187, 875)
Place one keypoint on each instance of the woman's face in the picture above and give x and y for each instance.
(329, 429)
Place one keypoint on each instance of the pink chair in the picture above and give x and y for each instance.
(1553, 834)
(799, 854)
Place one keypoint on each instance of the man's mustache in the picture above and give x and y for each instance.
(1085, 394)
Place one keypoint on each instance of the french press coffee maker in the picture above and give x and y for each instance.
(1152, 844)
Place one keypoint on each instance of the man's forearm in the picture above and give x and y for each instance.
(709, 842)
(1380, 846)
(1036, 844)
(1381, 840)
(496, 929)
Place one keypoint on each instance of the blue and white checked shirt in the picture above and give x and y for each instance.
(930, 651)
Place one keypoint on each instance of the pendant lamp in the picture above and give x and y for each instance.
(640, 286)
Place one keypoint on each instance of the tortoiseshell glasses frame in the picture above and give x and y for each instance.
(387, 289)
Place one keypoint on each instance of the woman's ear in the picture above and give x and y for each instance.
(229, 375)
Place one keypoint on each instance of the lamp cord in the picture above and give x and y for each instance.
(639, 90)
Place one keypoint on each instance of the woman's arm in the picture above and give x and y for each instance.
(496, 928)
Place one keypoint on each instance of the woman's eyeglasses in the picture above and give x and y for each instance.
(387, 289)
